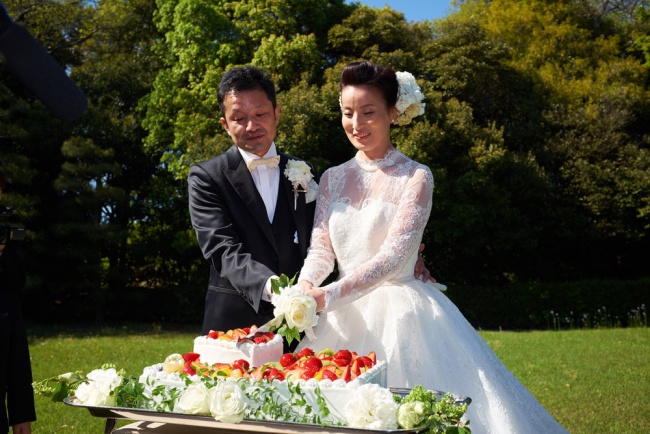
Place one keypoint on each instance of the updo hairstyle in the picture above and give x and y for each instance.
(369, 74)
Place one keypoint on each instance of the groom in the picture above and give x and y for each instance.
(242, 207)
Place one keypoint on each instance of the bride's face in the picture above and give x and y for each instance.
(366, 120)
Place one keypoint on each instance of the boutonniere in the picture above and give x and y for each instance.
(299, 173)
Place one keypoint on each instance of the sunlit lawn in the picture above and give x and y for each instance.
(592, 381)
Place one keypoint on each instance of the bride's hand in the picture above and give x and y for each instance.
(305, 285)
(421, 272)
(319, 296)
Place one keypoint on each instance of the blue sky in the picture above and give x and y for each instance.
(414, 10)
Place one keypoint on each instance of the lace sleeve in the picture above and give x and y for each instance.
(320, 257)
(403, 237)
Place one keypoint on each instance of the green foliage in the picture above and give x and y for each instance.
(281, 282)
(289, 60)
(552, 305)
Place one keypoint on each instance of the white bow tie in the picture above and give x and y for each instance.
(269, 162)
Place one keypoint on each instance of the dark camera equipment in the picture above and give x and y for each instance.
(28, 61)
(8, 232)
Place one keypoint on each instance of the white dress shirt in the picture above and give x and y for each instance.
(267, 181)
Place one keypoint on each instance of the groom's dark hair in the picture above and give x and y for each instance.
(370, 74)
(245, 78)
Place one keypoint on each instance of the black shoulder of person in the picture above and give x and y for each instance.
(12, 268)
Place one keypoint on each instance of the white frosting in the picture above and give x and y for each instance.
(221, 351)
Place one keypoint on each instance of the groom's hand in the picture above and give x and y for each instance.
(421, 272)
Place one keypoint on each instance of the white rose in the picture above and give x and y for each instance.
(281, 301)
(195, 399)
(301, 312)
(88, 394)
(372, 407)
(97, 390)
(298, 308)
(409, 101)
(228, 402)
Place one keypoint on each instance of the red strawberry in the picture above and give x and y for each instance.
(341, 362)
(260, 340)
(345, 375)
(213, 334)
(247, 330)
(191, 357)
(329, 375)
(287, 359)
(309, 373)
(187, 369)
(367, 361)
(241, 364)
(274, 373)
(343, 354)
(307, 352)
(355, 369)
(313, 363)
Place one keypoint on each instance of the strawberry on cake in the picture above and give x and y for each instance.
(232, 345)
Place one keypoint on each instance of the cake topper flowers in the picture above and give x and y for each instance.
(299, 173)
(409, 99)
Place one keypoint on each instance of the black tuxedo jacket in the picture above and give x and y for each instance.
(15, 367)
(241, 245)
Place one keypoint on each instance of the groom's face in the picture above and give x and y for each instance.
(250, 120)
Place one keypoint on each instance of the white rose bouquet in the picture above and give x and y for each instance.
(295, 311)
(299, 173)
(409, 99)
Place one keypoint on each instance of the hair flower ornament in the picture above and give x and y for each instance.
(299, 173)
(409, 99)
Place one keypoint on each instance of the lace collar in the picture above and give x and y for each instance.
(374, 165)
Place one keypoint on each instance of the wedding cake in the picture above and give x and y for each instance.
(227, 347)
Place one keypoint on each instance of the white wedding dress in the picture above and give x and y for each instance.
(370, 217)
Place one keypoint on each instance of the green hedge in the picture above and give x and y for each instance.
(581, 304)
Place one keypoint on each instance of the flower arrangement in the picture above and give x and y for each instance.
(299, 173)
(294, 311)
(232, 400)
(409, 99)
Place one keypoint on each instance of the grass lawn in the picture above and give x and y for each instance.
(592, 381)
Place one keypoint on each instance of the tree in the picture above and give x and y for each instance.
(201, 41)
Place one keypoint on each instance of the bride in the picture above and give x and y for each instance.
(370, 216)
